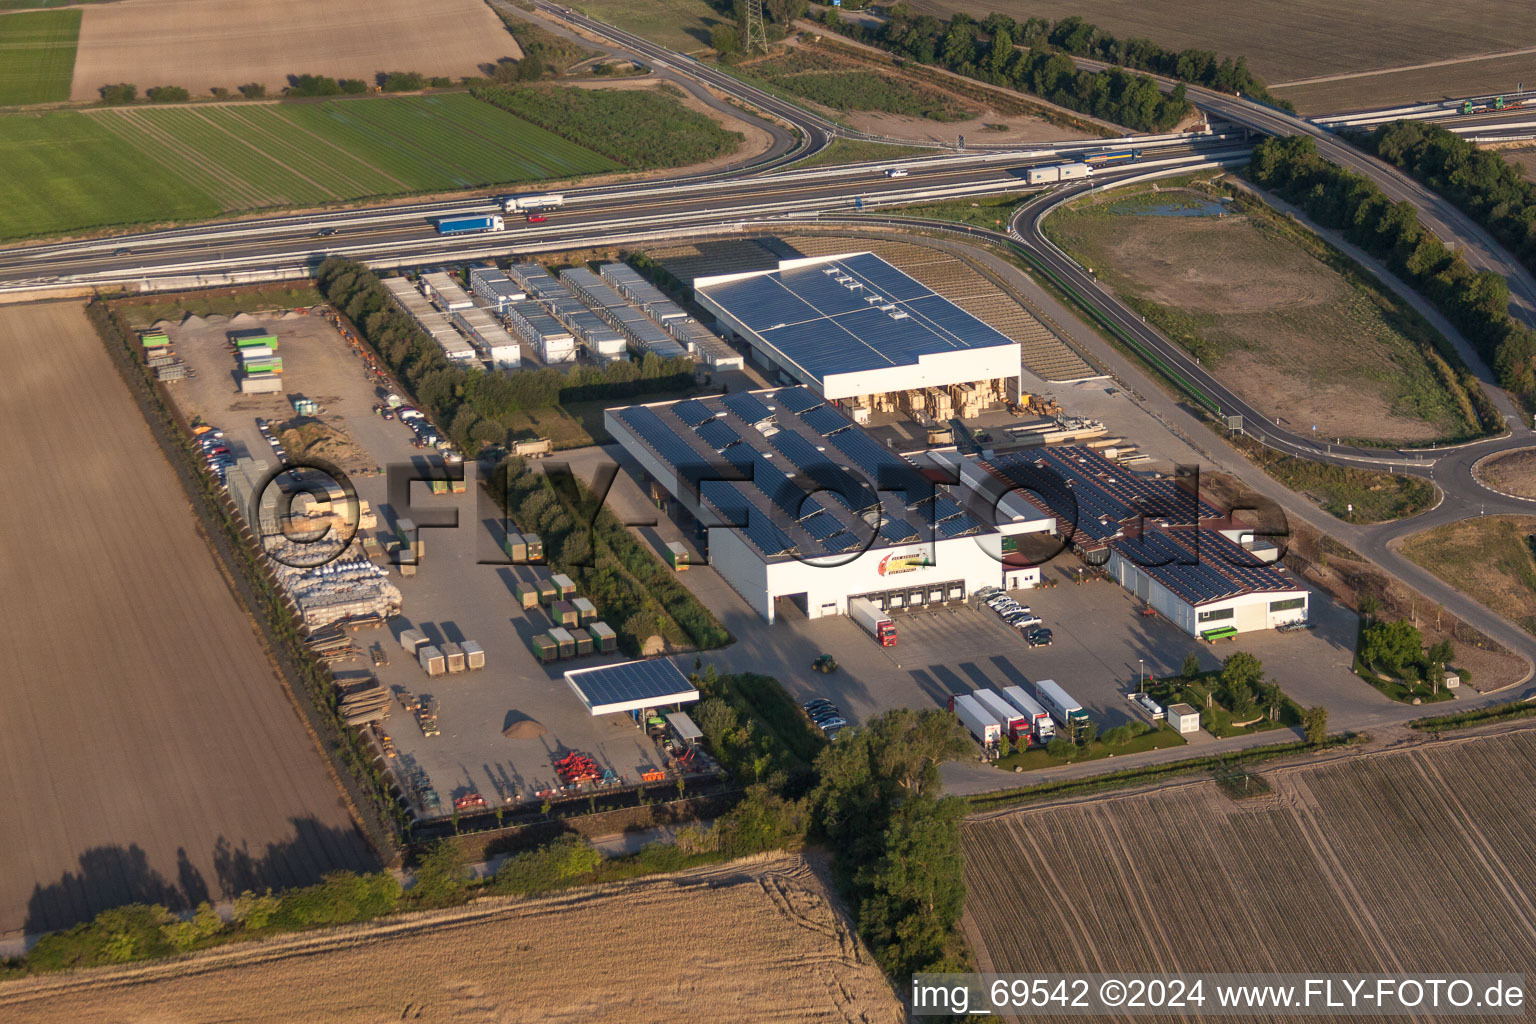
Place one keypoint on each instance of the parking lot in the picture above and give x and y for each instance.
(452, 597)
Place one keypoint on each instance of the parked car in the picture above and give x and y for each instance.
(831, 725)
(1039, 638)
(987, 593)
(814, 701)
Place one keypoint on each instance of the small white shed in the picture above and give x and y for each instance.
(1183, 718)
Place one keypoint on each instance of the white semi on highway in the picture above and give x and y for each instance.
(532, 201)
(1056, 172)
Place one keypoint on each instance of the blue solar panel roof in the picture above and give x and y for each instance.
(797, 399)
(826, 420)
(851, 314)
(692, 412)
(748, 406)
(717, 435)
(630, 682)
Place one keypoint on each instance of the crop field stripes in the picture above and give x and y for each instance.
(355, 175)
(257, 154)
(179, 157)
(37, 56)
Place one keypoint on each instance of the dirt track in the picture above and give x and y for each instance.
(199, 44)
(752, 941)
(147, 745)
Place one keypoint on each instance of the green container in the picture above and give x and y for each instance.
(273, 365)
(564, 613)
(154, 339)
(583, 641)
(527, 595)
(566, 585)
(439, 486)
(604, 637)
(518, 552)
(256, 341)
(564, 640)
(548, 593)
(545, 649)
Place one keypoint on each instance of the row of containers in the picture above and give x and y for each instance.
(576, 629)
(441, 659)
(260, 365)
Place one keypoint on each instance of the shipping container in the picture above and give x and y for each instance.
(454, 655)
(474, 655)
(535, 547)
(527, 595)
(603, 635)
(565, 583)
(565, 640)
(583, 641)
(564, 614)
(544, 648)
(412, 640)
(432, 661)
(256, 352)
(677, 556)
(585, 609)
(261, 384)
(516, 549)
(548, 593)
(255, 341)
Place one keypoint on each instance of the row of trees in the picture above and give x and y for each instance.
(1480, 181)
(122, 93)
(988, 51)
(1476, 302)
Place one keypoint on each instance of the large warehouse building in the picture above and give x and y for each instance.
(818, 511)
(857, 331)
(1157, 539)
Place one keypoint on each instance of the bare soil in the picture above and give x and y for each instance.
(1512, 472)
(200, 44)
(1300, 38)
(751, 941)
(149, 746)
(1476, 77)
(1272, 317)
(1343, 863)
(975, 129)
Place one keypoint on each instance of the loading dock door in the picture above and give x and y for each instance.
(916, 597)
(936, 594)
(897, 600)
(1143, 585)
(957, 590)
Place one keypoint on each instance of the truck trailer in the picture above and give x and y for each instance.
(532, 201)
(873, 621)
(469, 225)
(1056, 172)
(977, 719)
(1014, 721)
(1040, 719)
(1111, 157)
(1060, 703)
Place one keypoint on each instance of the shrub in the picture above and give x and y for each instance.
(312, 85)
(186, 935)
(119, 94)
(441, 880)
(440, 82)
(221, 93)
(353, 86)
(560, 863)
(253, 91)
(167, 94)
(344, 897)
(114, 936)
(403, 81)
(1119, 736)
(255, 912)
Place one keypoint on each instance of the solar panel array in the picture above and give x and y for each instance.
(798, 400)
(797, 498)
(826, 420)
(851, 314)
(629, 681)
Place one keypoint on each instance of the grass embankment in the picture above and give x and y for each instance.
(832, 81)
(1376, 496)
(555, 52)
(1147, 738)
(141, 312)
(853, 151)
(987, 212)
(37, 56)
(1281, 316)
(681, 25)
(1489, 559)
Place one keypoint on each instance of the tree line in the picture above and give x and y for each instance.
(1476, 302)
(299, 86)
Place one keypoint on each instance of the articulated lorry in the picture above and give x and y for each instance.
(532, 201)
(1014, 721)
(1056, 172)
(873, 621)
(1060, 703)
(1040, 723)
(469, 225)
(977, 719)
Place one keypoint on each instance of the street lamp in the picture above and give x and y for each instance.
(1141, 674)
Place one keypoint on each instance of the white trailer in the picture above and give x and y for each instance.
(1040, 719)
(987, 729)
(1059, 703)
(1048, 173)
(1075, 170)
(1014, 721)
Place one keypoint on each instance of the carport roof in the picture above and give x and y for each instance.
(631, 686)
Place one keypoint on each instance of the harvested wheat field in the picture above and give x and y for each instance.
(753, 941)
(1403, 861)
(1297, 39)
(148, 745)
(201, 44)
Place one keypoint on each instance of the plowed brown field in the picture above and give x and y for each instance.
(1415, 860)
(753, 941)
(200, 44)
(147, 748)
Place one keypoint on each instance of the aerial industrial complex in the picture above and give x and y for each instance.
(606, 503)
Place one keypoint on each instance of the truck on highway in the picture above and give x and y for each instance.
(1048, 173)
(532, 201)
(1014, 721)
(1040, 723)
(469, 225)
(1109, 158)
(987, 729)
(873, 621)
(1060, 704)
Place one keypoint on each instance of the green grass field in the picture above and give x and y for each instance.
(71, 171)
(37, 56)
(682, 25)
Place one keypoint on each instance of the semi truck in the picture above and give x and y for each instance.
(1111, 157)
(976, 718)
(873, 621)
(1060, 703)
(469, 225)
(532, 201)
(1056, 172)
(1013, 720)
(1040, 722)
